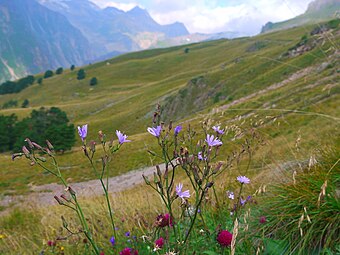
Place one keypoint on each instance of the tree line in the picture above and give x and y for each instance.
(11, 87)
(43, 124)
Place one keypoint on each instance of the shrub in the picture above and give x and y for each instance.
(9, 104)
(72, 67)
(40, 81)
(59, 70)
(25, 103)
(81, 74)
(93, 81)
(48, 74)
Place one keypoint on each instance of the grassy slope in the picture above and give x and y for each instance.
(130, 85)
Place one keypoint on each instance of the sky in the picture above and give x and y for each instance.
(213, 16)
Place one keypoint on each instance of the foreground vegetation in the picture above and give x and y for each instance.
(276, 101)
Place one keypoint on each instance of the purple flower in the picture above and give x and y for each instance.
(180, 193)
(242, 201)
(82, 131)
(121, 137)
(218, 130)
(127, 234)
(112, 240)
(177, 130)
(200, 156)
(243, 179)
(212, 141)
(230, 195)
(155, 131)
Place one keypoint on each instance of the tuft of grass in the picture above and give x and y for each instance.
(304, 212)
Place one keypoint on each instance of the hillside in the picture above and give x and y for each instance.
(317, 11)
(289, 76)
(34, 39)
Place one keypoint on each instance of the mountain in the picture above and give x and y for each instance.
(34, 39)
(317, 11)
(112, 30)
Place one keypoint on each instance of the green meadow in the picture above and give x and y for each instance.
(285, 105)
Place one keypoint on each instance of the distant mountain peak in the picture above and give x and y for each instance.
(317, 11)
(138, 11)
(318, 5)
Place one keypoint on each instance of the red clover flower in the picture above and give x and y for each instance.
(224, 238)
(128, 251)
(263, 219)
(159, 243)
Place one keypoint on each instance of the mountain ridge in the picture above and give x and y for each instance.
(34, 38)
(317, 11)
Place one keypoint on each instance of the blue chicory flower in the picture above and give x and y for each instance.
(218, 130)
(155, 131)
(243, 179)
(82, 131)
(112, 240)
(212, 141)
(180, 193)
(121, 137)
(177, 130)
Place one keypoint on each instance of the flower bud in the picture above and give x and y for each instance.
(30, 144)
(65, 198)
(92, 146)
(16, 155)
(104, 160)
(49, 145)
(209, 185)
(155, 178)
(65, 224)
(25, 151)
(36, 145)
(146, 180)
(58, 200)
(159, 173)
(72, 192)
(170, 126)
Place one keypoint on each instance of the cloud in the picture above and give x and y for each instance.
(119, 5)
(211, 16)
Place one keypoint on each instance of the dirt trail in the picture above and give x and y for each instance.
(43, 194)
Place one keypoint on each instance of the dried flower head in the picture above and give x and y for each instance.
(164, 220)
